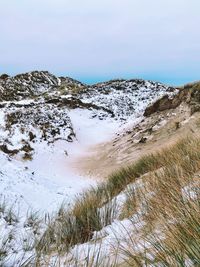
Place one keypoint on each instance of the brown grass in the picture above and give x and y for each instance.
(172, 222)
(172, 231)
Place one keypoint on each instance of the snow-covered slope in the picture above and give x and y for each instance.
(125, 98)
(44, 133)
(46, 121)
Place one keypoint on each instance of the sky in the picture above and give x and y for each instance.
(96, 40)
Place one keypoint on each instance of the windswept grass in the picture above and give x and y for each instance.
(164, 185)
(74, 226)
(174, 239)
(171, 235)
(172, 222)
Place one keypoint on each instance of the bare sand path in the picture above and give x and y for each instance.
(161, 130)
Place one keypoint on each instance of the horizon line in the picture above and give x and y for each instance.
(104, 79)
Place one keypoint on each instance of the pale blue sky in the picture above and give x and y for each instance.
(94, 40)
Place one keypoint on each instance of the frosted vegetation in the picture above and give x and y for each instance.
(145, 214)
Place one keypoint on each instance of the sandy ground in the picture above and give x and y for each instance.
(161, 130)
(60, 172)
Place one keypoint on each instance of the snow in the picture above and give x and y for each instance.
(2, 121)
(19, 102)
(191, 191)
(126, 98)
(91, 131)
(49, 179)
(107, 242)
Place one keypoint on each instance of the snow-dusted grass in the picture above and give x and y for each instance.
(18, 235)
(163, 228)
(76, 225)
(86, 228)
(151, 218)
(170, 236)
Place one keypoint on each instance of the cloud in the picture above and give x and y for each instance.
(101, 38)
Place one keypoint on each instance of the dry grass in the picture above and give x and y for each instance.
(70, 227)
(171, 234)
(131, 204)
